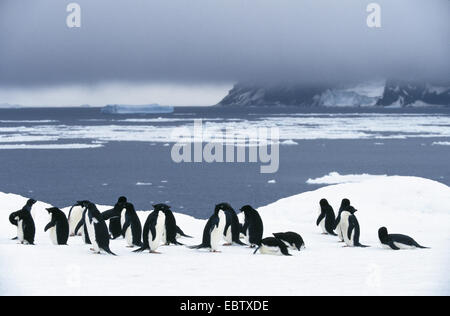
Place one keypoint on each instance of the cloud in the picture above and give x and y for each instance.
(221, 41)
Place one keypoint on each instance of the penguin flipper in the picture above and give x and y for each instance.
(79, 225)
(284, 249)
(320, 218)
(181, 233)
(392, 245)
(256, 250)
(49, 225)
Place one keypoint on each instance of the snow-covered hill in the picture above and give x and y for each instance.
(392, 93)
(409, 205)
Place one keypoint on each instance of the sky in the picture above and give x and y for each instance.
(191, 52)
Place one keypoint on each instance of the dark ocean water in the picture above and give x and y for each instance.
(61, 177)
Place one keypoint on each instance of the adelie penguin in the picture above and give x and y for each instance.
(26, 229)
(232, 229)
(397, 241)
(272, 246)
(116, 217)
(253, 227)
(350, 228)
(213, 231)
(326, 219)
(154, 230)
(292, 240)
(171, 228)
(75, 217)
(96, 228)
(132, 228)
(58, 226)
(345, 204)
(81, 228)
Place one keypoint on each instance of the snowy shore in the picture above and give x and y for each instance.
(413, 206)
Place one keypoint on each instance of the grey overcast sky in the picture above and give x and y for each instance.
(192, 51)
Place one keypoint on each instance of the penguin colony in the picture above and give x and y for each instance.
(161, 228)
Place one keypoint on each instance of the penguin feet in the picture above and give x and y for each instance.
(72, 235)
(155, 252)
(228, 244)
(216, 251)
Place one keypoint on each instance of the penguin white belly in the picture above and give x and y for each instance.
(247, 237)
(229, 236)
(20, 230)
(53, 236)
(217, 232)
(403, 246)
(344, 229)
(266, 250)
(129, 237)
(91, 233)
(75, 217)
(160, 229)
(322, 225)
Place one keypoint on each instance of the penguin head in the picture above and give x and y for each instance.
(31, 202)
(52, 210)
(345, 203)
(83, 203)
(324, 203)
(224, 207)
(351, 209)
(247, 208)
(383, 234)
(122, 200)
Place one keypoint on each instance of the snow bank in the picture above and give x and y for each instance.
(408, 205)
(336, 178)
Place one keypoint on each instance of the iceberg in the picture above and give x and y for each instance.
(137, 109)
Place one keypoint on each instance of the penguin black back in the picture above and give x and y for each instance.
(133, 222)
(327, 215)
(395, 241)
(253, 227)
(293, 239)
(61, 224)
(231, 223)
(171, 224)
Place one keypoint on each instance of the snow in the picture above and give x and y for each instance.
(51, 146)
(408, 205)
(441, 143)
(137, 109)
(335, 178)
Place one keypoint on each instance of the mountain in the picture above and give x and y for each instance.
(384, 93)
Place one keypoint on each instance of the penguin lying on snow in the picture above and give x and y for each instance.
(397, 241)
(154, 230)
(58, 226)
(253, 227)
(213, 231)
(272, 246)
(114, 216)
(27, 208)
(292, 240)
(326, 219)
(96, 228)
(26, 229)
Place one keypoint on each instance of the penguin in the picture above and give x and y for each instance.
(397, 241)
(180, 233)
(74, 218)
(350, 228)
(96, 228)
(170, 235)
(132, 228)
(58, 226)
(345, 206)
(213, 231)
(292, 240)
(232, 226)
(154, 230)
(81, 224)
(27, 208)
(253, 227)
(326, 219)
(272, 246)
(115, 216)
